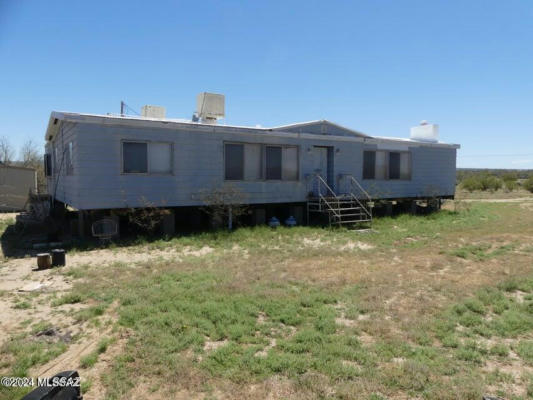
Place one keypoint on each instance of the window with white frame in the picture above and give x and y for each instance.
(146, 158)
(252, 161)
(391, 165)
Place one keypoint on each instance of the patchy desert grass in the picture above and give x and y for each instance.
(436, 306)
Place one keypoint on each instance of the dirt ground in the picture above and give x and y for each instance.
(19, 277)
(421, 277)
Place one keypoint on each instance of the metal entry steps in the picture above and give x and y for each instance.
(340, 210)
(352, 207)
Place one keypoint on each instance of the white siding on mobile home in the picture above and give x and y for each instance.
(185, 159)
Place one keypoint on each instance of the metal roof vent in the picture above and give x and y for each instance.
(209, 107)
(149, 111)
(425, 132)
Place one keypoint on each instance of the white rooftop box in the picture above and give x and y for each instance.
(210, 106)
(149, 111)
(425, 132)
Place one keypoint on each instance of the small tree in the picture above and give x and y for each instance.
(6, 151)
(224, 202)
(32, 157)
(30, 154)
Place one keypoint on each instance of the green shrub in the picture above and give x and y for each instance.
(528, 184)
(471, 184)
(481, 182)
(491, 183)
(511, 185)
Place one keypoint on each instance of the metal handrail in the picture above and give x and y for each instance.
(322, 181)
(353, 180)
(367, 211)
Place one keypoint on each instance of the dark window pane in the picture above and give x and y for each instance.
(234, 159)
(48, 165)
(273, 163)
(394, 165)
(135, 157)
(369, 165)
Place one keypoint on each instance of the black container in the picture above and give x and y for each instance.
(58, 257)
(69, 391)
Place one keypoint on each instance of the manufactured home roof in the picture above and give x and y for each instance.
(322, 124)
(318, 127)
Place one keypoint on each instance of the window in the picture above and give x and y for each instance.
(369, 165)
(146, 157)
(234, 159)
(67, 154)
(394, 165)
(47, 165)
(135, 158)
(290, 163)
(405, 165)
(252, 162)
(273, 163)
(160, 158)
(381, 165)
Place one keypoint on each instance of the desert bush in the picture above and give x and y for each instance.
(511, 185)
(528, 184)
(510, 181)
(481, 182)
(471, 184)
(148, 217)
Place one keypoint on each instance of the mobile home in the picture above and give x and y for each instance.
(107, 162)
